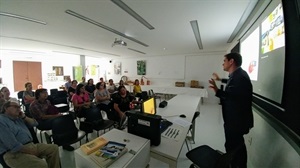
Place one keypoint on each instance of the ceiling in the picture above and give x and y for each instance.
(172, 33)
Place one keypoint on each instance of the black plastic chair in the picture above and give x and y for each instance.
(94, 117)
(20, 99)
(60, 100)
(65, 132)
(53, 92)
(192, 129)
(206, 157)
(156, 96)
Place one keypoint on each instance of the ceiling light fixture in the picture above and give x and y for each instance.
(22, 17)
(136, 51)
(104, 27)
(195, 28)
(119, 42)
(131, 12)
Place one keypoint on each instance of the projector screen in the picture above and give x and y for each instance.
(263, 52)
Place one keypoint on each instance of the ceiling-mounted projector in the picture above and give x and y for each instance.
(119, 42)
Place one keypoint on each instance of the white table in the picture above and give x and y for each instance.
(168, 151)
(138, 144)
(172, 90)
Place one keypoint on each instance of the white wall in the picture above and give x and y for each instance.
(48, 61)
(166, 70)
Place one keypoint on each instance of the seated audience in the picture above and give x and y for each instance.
(102, 97)
(90, 88)
(45, 113)
(72, 89)
(6, 97)
(83, 81)
(122, 101)
(101, 80)
(6, 94)
(121, 83)
(84, 108)
(68, 84)
(42, 110)
(28, 96)
(137, 90)
(16, 147)
(81, 101)
(111, 86)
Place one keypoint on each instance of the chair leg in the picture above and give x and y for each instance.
(187, 145)
(41, 136)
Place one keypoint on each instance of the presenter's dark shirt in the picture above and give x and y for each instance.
(236, 102)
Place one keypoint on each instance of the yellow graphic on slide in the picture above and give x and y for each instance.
(272, 29)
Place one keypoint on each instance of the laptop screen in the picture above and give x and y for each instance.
(149, 106)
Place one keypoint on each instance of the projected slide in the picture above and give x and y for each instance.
(250, 54)
(272, 29)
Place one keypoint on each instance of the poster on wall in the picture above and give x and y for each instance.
(117, 68)
(59, 70)
(141, 67)
(77, 73)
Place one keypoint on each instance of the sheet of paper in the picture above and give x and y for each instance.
(181, 122)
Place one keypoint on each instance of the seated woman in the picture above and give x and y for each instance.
(6, 95)
(111, 86)
(28, 97)
(137, 90)
(102, 98)
(72, 89)
(90, 88)
(81, 101)
(122, 103)
(121, 83)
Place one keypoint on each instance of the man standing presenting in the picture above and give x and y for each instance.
(16, 145)
(236, 102)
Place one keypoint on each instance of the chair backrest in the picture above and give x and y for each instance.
(64, 130)
(204, 156)
(20, 94)
(53, 92)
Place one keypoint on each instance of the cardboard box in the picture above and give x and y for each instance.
(179, 84)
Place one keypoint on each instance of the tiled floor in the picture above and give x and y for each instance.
(209, 131)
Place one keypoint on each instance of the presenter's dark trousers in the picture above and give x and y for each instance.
(234, 141)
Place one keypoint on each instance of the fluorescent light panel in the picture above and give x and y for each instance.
(136, 51)
(195, 28)
(131, 12)
(22, 18)
(70, 12)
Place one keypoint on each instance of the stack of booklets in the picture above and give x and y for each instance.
(94, 145)
(108, 154)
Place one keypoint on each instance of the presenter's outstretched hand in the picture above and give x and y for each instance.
(216, 77)
(213, 85)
